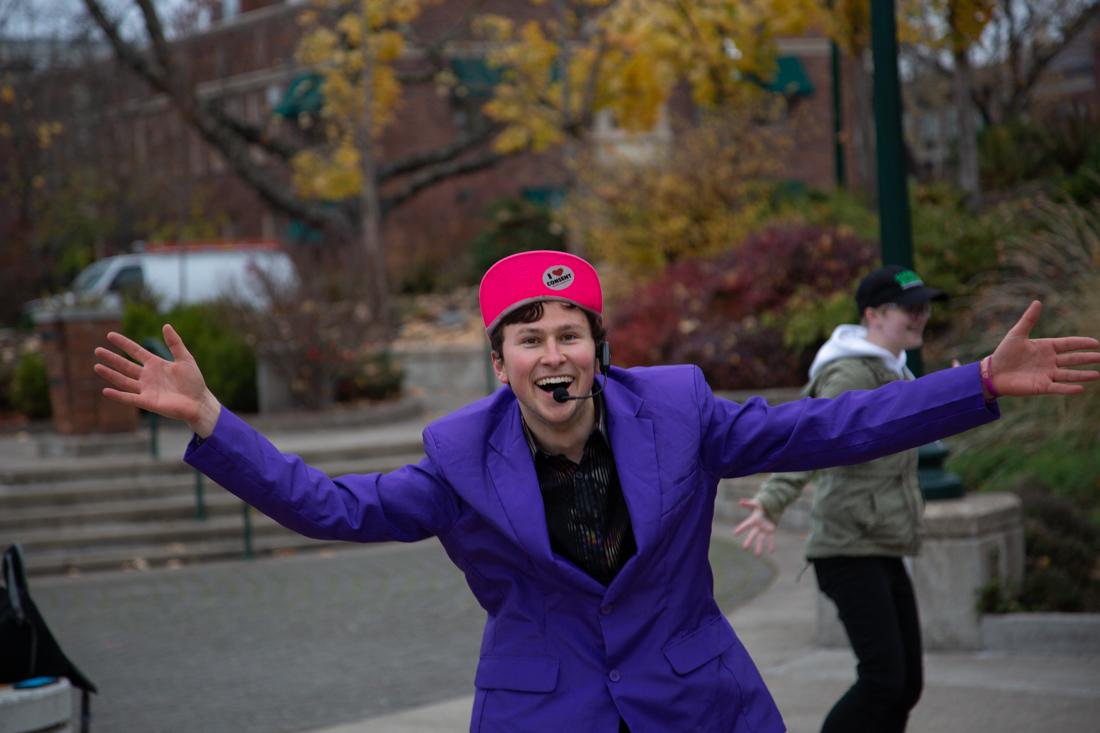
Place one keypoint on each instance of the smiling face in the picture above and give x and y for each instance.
(557, 350)
(897, 327)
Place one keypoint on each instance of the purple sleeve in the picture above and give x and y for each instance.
(855, 427)
(408, 504)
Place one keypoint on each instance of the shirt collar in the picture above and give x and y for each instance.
(601, 426)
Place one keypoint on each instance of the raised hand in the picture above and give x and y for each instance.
(1021, 366)
(173, 389)
(760, 529)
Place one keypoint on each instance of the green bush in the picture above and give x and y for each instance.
(952, 245)
(30, 387)
(731, 313)
(835, 208)
(1062, 551)
(1071, 471)
(7, 374)
(228, 363)
(1060, 154)
(514, 225)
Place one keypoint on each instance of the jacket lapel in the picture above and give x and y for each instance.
(513, 472)
(635, 449)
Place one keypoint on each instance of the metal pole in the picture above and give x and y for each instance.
(200, 506)
(246, 515)
(893, 198)
(838, 117)
(895, 229)
(154, 444)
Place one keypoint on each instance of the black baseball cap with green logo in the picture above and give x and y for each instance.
(894, 284)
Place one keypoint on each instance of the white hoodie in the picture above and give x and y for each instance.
(849, 340)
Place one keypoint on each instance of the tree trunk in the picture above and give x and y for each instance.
(371, 209)
(968, 134)
(860, 84)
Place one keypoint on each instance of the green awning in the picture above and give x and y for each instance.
(304, 95)
(790, 78)
(552, 197)
(476, 78)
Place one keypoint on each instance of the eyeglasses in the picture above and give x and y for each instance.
(915, 310)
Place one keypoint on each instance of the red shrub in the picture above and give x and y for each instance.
(711, 312)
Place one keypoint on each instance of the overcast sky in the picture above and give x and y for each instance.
(52, 18)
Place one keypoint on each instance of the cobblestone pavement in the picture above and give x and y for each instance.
(291, 643)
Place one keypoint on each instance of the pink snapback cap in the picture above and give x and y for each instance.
(528, 277)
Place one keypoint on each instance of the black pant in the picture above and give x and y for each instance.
(879, 611)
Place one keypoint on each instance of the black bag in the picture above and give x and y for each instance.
(30, 649)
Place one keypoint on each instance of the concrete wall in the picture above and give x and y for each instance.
(969, 542)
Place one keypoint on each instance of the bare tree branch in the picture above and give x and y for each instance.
(252, 134)
(149, 70)
(280, 195)
(478, 136)
(435, 174)
(214, 128)
(1042, 57)
(156, 34)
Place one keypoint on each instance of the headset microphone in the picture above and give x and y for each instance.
(603, 360)
(561, 394)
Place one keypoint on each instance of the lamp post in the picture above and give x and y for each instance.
(895, 227)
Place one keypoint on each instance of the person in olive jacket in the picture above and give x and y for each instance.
(865, 517)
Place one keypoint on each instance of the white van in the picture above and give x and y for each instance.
(183, 274)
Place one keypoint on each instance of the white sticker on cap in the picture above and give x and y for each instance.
(557, 277)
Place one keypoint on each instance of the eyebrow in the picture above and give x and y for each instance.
(531, 329)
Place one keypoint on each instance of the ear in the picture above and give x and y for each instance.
(498, 367)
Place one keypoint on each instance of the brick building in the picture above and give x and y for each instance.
(168, 183)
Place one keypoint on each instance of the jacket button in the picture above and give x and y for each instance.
(614, 675)
(606, 610)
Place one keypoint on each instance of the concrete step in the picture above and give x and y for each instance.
(152, 508)
(75, 495)
(70, 561)
(48, 473)
(134, 534)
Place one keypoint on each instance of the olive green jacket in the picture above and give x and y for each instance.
(871, 508)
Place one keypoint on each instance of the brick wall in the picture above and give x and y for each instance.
(68, 345)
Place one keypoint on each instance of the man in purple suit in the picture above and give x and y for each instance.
(578, 501)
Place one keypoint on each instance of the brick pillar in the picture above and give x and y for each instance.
(69, 337)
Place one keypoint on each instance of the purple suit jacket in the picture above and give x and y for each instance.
(560, 652)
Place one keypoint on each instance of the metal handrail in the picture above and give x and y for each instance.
(157, 347)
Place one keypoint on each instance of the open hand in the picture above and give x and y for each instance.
(760, 529)
(1021, 366)
(173, 389)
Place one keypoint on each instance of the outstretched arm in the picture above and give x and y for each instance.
(1021, 366)
(174, 389)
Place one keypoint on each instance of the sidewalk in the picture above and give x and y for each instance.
(964, 692)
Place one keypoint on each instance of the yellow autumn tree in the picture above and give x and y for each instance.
(562, 68)
(332, 45)
(626, 57)
(623, 60)
(703, 196)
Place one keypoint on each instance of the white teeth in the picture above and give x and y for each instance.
(554, 380)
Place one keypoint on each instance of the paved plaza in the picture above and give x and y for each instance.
(289, 644)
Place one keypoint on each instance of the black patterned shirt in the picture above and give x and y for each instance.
(586, 513)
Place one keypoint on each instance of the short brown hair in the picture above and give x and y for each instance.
(533, 312)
